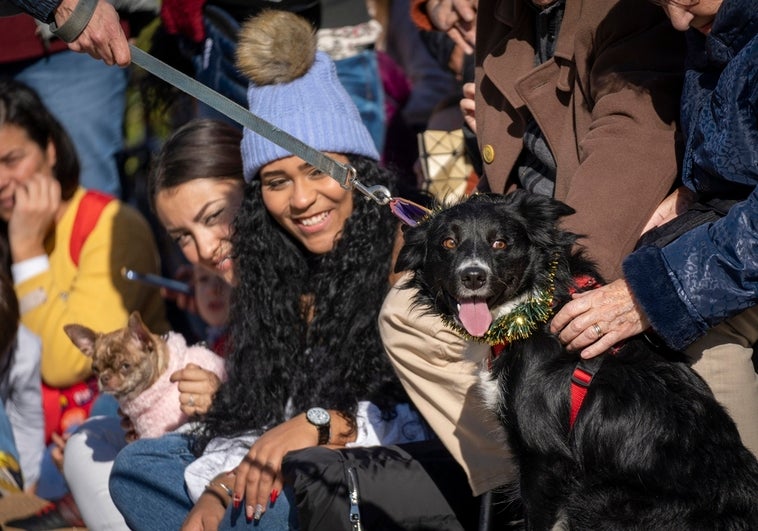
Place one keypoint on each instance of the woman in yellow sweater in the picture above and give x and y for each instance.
(67, 247)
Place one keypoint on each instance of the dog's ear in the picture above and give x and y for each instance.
(539, 206)
(139, 332)
(413, 252)
(539, 215)
(82, 337)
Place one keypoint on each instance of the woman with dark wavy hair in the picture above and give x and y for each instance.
(317, 304)
(313, 262)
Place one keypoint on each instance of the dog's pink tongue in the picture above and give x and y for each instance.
(475, 316)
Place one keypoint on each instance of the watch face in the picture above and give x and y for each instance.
(318, 416)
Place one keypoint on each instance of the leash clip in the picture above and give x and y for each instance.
(378, 193)
(406, 211)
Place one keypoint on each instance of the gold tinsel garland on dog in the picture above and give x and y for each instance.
(520, 322)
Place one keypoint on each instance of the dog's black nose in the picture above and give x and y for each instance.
(473, 277)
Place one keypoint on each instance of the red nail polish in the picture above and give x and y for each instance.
(236, 501)
(274, 496)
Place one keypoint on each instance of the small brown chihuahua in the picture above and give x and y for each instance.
(134, 365)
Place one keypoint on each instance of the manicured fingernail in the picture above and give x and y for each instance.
(249, 513)
(258, 512)
(274, 496)
(236, 501)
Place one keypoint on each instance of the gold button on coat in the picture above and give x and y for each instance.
(488, 153)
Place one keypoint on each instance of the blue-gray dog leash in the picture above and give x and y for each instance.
(342, 173)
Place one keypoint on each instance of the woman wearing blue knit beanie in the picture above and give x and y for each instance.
(306, 365)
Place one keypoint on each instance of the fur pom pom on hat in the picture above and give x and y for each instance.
(295, 88)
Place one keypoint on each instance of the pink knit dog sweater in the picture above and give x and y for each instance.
(157, 410)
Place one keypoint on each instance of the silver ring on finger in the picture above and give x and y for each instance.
(191, 401)
(598, 331)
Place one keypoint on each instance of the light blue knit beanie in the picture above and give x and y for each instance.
(312, 106)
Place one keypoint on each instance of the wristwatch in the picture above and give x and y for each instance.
(320, 418)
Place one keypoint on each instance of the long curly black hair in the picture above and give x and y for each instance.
(278, 364)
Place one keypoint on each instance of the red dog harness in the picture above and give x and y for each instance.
(585, 370)
(581, 379)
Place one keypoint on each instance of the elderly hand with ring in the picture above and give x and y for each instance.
(596, 320)
(196, 389)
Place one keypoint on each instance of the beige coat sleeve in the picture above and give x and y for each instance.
(434, 365)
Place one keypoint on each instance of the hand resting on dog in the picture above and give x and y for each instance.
(196, 387)
(612, 307)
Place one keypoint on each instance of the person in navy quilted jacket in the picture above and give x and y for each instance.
(699, 292)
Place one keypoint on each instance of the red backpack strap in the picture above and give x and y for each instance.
(90, 208)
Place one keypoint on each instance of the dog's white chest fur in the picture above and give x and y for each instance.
(489, 390)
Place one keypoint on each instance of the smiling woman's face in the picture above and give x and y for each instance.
(699, 16)
(307, 203)
(198, 216)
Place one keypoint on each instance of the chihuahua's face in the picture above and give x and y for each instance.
(126, 361)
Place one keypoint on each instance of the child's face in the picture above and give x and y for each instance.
(306, 202)
(212, 296)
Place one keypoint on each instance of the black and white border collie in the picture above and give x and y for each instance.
(646, 447)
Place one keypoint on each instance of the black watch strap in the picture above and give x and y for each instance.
(324, 433)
